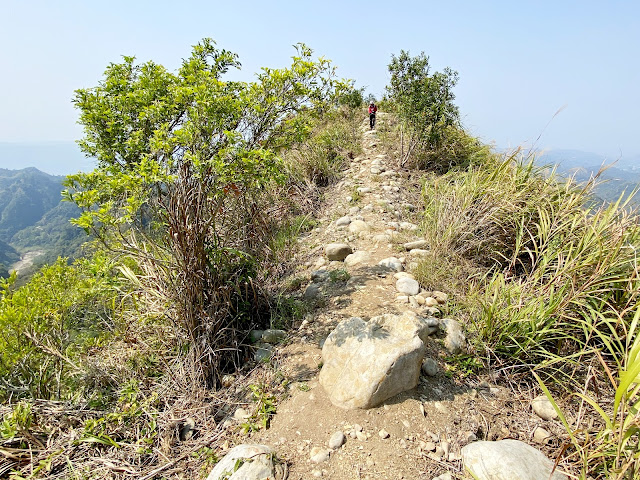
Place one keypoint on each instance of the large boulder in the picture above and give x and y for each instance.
(507, 460)
(365, 363)
(245, 462)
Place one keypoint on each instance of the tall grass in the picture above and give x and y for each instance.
(555, 269)
(319, 160)
(613, 449)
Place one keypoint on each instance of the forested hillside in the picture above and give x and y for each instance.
(33, 217)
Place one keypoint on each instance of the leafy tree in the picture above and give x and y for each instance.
(184, 162)
(424, 100)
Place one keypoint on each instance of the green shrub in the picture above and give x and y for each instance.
(423, 101)
(46, 325)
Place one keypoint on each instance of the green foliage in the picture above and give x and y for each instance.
(351, 97)
(287, 311)
(46, 324)
(132, 421)
(424, 101)
(265, 408)
(339, 275)
(476, 214)
(185, 161)
(16, 422)
(463, 365)
(548, 271)
(288, 232)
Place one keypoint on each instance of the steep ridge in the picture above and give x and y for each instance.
(413, 435)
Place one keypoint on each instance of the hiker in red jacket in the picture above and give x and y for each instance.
(372, 114)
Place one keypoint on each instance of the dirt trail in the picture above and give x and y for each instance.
(426, 426)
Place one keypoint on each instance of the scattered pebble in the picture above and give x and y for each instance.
(430, 302)
(417, 244)
(544, 408)
(337, 251)
(312, 291)
(241, 414)
(383, 434)
(430, 367)
(541, 436)
(319, 455)
(336, 440)
(343, 221)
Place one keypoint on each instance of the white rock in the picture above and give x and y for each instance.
(455, 340)
(544, 408)
(382, 238)
(430, 367)
(444, 476)
(363, 189)
(541, 436)
(358, 226)
(417, 244)
(342, 221)
(383, 433)
(336, 440)
(408, 286)
(507, 460)
(430, 302)
(402, 299)
(319, 455)
(419, 252)
(392, 263)
(357, 257)
(408, 226)
(400, 275)
(256, 463)
(441, 297)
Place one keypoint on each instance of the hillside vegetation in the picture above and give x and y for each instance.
(203, 185)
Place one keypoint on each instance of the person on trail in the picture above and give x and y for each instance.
(372, 115)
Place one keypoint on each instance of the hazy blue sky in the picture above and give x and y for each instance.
(519, 62)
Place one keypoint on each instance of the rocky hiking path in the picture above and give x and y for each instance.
(370, 396)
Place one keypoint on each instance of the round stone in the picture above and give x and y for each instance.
(430, 367)
(408, 286)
